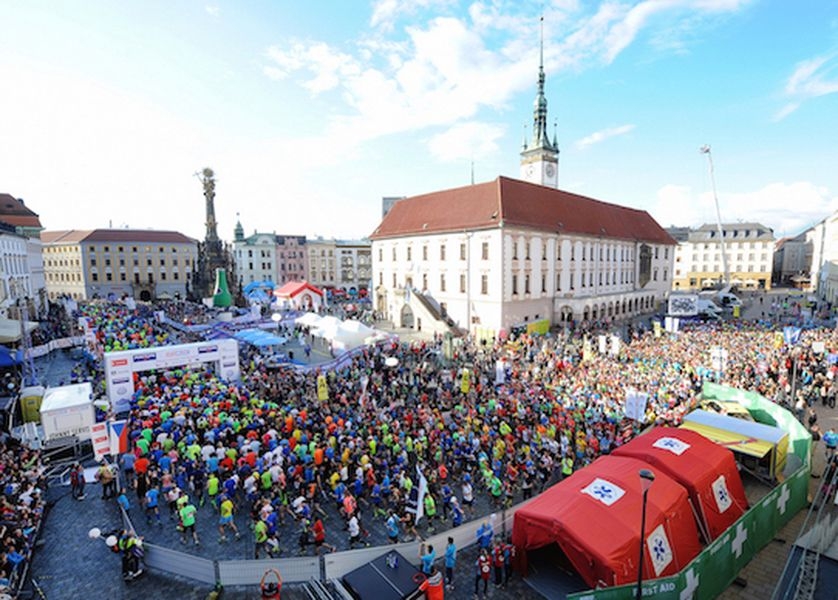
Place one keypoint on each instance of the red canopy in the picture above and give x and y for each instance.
(594, 517)
(707, 470)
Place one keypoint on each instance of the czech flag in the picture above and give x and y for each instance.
(119, 436)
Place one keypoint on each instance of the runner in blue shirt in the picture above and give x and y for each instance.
(151, 504)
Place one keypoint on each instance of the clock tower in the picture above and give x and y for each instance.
(540, 158)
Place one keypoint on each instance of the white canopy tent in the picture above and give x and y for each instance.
(10, 330)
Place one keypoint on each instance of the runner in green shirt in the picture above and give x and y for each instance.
(187, 513)
(212, 488)
(260, 535)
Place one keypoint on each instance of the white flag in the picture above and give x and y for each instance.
(604, 491)
(721, 494)
(659, 549)
(674, 445)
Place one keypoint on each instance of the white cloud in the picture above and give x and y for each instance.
(385, 12)
(213, 10)
(603, 134)
(811, 78)
(615, 26)
(448, 68)
(769, 205)
(469, 140)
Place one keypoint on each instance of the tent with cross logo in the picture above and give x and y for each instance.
(594, 518)
(707, 470)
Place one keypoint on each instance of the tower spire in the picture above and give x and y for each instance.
(540, 137)
(540, 158)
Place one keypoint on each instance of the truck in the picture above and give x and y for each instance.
(708, 308)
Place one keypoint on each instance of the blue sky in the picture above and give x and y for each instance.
(310, 115)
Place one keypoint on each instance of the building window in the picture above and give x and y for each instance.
(394, 253)
(527, 283)
(442, 252)
(92, 261)
(558, 282)
(424, 281)
(381, 279)
(93, 276)
(163, 276)
(122, 276)
(462, 283)
(409, 253)
(462, 251)
(380, 254)
(514, 285)
(442, 283)
(484, 284)
(485, 250)
(424, 253)
(394, 280)
(543, 284)
(109, 276)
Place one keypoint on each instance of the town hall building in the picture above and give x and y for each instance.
(493, 256)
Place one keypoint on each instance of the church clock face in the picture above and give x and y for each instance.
(530, 170)
(550, 170)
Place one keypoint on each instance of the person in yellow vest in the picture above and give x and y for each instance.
(567, 466)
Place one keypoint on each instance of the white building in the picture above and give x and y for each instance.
(748, 247)
(27, 224)
(820, 243)
(15, 279)
(340, 264)
(322, 262)
(496, 255)
(269, 257)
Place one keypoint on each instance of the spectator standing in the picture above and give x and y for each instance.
(483, 570)
(450, 561)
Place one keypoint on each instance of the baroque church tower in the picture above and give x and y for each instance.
(540, 158)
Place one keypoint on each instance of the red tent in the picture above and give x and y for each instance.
(594, 517)
(707, 470)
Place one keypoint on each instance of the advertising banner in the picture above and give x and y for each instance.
(100, 440)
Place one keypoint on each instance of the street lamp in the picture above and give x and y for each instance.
(646, 479)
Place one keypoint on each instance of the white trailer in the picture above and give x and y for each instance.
(67, 411)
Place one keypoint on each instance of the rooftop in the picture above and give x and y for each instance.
(75, 236)
(505, 202)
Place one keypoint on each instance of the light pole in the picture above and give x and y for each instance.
(646, 479)
(706, 150)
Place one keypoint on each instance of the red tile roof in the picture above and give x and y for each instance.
(14, 212)
(521, 204)
(292, 288)
(127, 236)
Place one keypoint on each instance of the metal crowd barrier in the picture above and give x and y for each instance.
(304, 569)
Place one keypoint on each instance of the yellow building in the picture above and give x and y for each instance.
(749, 249)
(140, 263)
